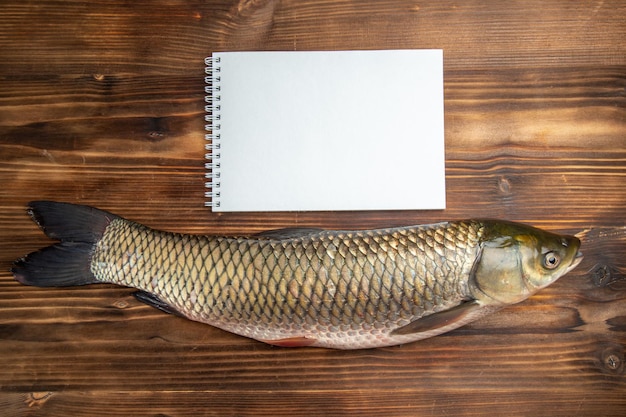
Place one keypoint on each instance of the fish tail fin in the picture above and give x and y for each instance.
(68, 262)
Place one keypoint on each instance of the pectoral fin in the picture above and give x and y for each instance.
(448, 319)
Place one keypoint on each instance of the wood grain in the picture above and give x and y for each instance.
(101, 103)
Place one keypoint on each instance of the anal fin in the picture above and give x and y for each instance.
(154, 301)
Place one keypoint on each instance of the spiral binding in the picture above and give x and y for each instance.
(212, 118)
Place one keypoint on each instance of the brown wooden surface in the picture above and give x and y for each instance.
(101, 103)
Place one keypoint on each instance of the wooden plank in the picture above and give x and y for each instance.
(237, 403)
(101, 103)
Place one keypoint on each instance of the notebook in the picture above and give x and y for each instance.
(325, 130)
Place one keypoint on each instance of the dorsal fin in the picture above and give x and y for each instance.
(452, 318)
(288, 233)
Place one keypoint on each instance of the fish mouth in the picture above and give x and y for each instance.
(579, 257)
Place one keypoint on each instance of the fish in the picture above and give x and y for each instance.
(296, 287)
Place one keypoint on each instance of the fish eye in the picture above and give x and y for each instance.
(551, 260)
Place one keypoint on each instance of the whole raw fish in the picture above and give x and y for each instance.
(306, 287)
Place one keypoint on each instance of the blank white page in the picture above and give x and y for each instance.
(341, 130)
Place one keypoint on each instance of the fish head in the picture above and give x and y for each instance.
(515, 261)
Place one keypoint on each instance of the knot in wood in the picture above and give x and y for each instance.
(155, 135)
(157, 129)
(120, 304)
(504, 186)
(603, 275)
(37, 399)
(613, 360)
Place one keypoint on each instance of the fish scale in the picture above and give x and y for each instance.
(339, 289)
(330, 282)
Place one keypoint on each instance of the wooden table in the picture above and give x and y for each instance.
(101, 103)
